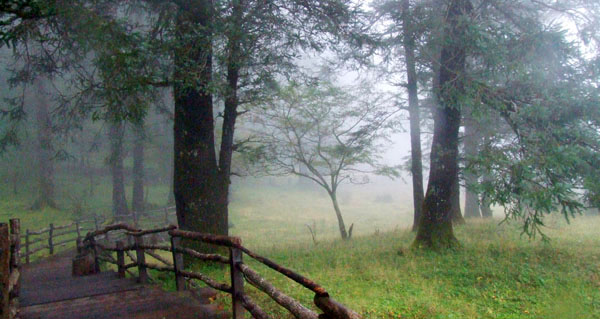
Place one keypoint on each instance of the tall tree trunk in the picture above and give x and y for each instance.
(234, 61)
(471, 204)
(486, 210)
(167, 159)
(44, 148)
(119, 202)
(471, 198)
(457, 217)
(171, 196)
(435, 226)
(416, 166)
(137, 200)
(90, 175)
(196, 182)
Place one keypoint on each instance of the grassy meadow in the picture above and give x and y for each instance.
(497, 273)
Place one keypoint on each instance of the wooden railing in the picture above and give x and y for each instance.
(54, 237)
(9, 268)
(131, 241)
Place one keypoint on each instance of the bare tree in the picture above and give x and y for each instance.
(325, 134)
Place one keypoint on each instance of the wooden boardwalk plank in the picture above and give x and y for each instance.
(141, 303)
(78, 287)
(48, 291)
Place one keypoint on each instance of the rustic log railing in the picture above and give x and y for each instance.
(240, 272)
(54, 237)
(10, 245)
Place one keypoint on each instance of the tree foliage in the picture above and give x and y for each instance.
(325, 133)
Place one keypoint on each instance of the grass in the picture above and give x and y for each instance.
(280, 210)
(73, 201)
(496, 273)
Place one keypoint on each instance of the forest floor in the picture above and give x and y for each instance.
(496, 273)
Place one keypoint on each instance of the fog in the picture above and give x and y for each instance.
(411, 158)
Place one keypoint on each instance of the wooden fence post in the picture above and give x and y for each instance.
(237, 283)
(27, 246)
(96, 221)
(121, 259)
(95, 253)
(166, 216)
(135, 219)
(4, 270)
(15, 251)
(78, 230)
(79, 245)
(50, 245)
(177, 263)
(15, 265)
(141, 259)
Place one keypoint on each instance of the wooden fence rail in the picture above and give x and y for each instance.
(241, 273)
(52, 237)
(47, 239)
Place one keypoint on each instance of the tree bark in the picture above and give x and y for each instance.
(167, 159)
(119, 202)
(196, 185)
(137, 200)
(471, 198)
(44, 148)
(486, 210)
(416, 167)
(234, 62)
(457, 217)
(171, 196)
(471, 204)
(90, 175)
(435, 226)
(338, 214)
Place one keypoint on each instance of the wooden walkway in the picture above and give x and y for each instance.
(49, 291)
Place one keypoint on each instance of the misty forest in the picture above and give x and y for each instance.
(305, 159)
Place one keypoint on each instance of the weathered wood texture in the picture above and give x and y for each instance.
(4, 270)
(54, 292)
(14, 280)
(239, 272)
(333, 309)
(237, 283)
(49, 290)
(293, 306)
